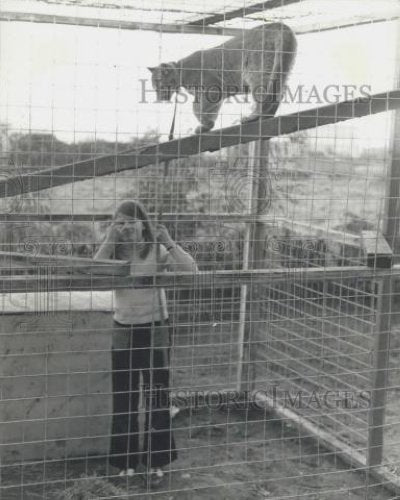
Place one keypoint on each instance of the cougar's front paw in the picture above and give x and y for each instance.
(203, 128)
(250, 118)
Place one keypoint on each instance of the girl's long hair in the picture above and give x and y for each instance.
(136, 210)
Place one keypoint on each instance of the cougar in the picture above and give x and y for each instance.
(257, 62)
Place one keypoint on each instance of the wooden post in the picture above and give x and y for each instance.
(385, 288)
(378, 253)
(391, 229)
(243, 288)
(376, 418)
(261, 203)
(253, 254)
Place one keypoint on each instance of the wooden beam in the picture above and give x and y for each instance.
(167, 217)
(65, 263)
(12, 218)
(245, 11)
(205, 279)
(116, 24)
(309, 230)
(189, 28)
(195, 144)
(302, 229)
(320, 28)
(377, 250)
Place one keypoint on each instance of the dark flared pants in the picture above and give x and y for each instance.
(131, 355)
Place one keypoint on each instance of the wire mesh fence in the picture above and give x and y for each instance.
(275, 374)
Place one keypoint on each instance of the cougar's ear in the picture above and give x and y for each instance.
(152, 68)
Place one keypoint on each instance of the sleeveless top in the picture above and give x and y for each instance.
(135, 306)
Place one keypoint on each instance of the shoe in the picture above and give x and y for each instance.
(158, 472)
(173, 411)
(156, 475)
(127, 473)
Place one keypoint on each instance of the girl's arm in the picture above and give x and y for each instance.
(107, 247)
(179, 260)
(174, 257)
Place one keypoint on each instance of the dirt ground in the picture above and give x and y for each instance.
(229, 453)
(240, 454)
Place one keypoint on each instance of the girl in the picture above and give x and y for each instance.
(140, 340)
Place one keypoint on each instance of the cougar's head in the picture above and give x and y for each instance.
(165, 80)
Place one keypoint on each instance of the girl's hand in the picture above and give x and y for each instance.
(163, 236)
(113, 232)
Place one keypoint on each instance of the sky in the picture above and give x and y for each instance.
(83, 83)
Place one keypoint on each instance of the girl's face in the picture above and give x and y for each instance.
(130, 229)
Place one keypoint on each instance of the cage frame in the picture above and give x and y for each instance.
(84, 274)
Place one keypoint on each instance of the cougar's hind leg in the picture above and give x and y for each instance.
(273, 92)
(285, 54)
(267, 96)
(259, 91)
(259, 96)
(269, 111)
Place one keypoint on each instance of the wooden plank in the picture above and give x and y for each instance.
(307, 230)
(302, 229)
(377, 250)
(387, 479)
(191, 28)
(259, 400)
(326, 439)
(205, 279)
(321, 27)
(65, 263)
(243, 12)
(350, 455)
(167, 217)
(195, 144)
(195, 27)
(10, 218)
